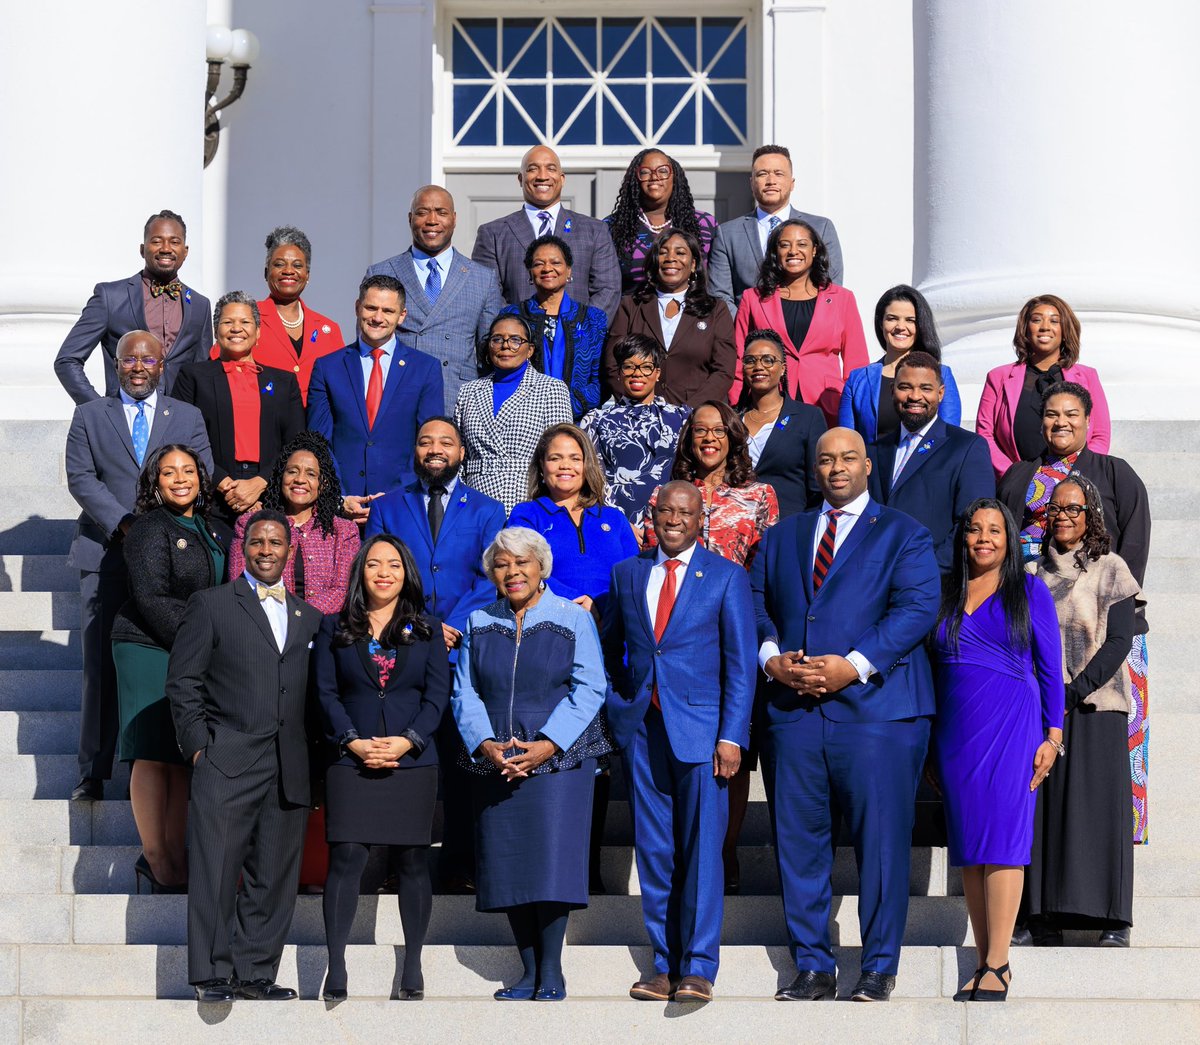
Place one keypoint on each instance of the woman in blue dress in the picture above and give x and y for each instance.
(998, 728)
(528, 692)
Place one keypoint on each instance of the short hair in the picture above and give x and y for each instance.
(381, 282)
(164, 215)
(765, 334)
(927, 335)
(773, 338)
(917, 360)
(147, 484)
(638, 345)
(739, 470)
(1068, 355)
(770, 274)
(445, 419)
(129, 335)
(267, 515)
(288, 236)
(484, 358)
(517, 540)
(769, 150)
(592, 492)
(1069, 388)
(1096, 539)
(549, 241)
(236, 297)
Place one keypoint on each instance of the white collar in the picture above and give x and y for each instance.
(684, 556)
(552, 210)
(855, 507)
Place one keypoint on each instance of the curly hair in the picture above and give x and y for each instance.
(288, 236)
(592, 492)
(770, 275)
(146, 498)
(408, 618)
(1096, 539)
(739, 471)
(698, 301)
(625, 221)
(1068, 353)
(329, 494)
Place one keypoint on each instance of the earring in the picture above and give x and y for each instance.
(541, 586)
(158, 495)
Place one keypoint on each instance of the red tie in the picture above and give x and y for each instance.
(824, 557)
(662, 614)
(374, 387)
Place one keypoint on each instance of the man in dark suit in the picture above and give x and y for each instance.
(679, 646)
(929, 469)
(844, 598)
(108, 440)
(369, 399)
(501, 244)
(451, 299)
(238, 687)
(447, 526)
(738, 245)
(154, 300)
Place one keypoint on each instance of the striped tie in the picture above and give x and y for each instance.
(824, 557)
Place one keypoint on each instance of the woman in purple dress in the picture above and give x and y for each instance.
(998, 728)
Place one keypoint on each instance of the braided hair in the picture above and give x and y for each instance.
(625, 221)
(329, 495)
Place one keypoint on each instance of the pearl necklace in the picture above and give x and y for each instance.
(650, 225)
(298, 323)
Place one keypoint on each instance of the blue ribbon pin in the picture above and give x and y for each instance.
(313, 339)
(567, 225)
(187, 295)
(269, 388)
(783, 421)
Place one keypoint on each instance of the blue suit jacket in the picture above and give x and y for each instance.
(880, 597)
(704, 667)
(859, 408)
(950, 469)
(452, 569)
(373, 460)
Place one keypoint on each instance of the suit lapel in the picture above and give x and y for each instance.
(116, 414)
(456, 502)
(222, 399)
(934, 440)
(248, 600)
(1012, 391)
(885, 460)
(414, 500)
(352, 362)
(853, 539)
(396, 376)
(266, 408)
(363, 655)
(776, 439)
(653, 320)
(455, 274)
(136, 301)
(405, 270)
(162, 423)
(687, 592)
(806, 535)
(641, 577)
(518, 224)
(295, 614)
(750, 225)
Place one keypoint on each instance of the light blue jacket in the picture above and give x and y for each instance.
(859, 408)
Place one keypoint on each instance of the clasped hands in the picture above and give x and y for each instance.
(380, 752)
(813, 676)
(242, 494)
(529, 756)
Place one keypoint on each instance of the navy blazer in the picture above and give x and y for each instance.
(788, 461)
(951, 468)
(373, 460)
(112, 311)
(415, 697)
(452, 568)
(880, 597)
(704, 668)
(859, 408)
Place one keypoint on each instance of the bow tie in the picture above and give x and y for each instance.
(273, 591)
(172, 289)
(236, 366)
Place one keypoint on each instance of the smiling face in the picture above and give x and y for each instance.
(301, 482)
(762, 367)
(899, 327)
(639, 376)
(1066, 531)
(795, 252)
(287, 273)
(541, 177)
(1045, 333)
(508, 344)
(710, 440)
(562, 468)
(771, 181)
(164, 249)
(439, 453)
(432, 220)
(139, 364)
(917, 394)
(678, 517)
(1064, 424)
(987, 542)
(675, 265)
(842, 466)
(266, 548)
(383, 575)
(379, 312)
(236, 332)
(549, 269)
(516, 576)
(656, 180)
(178, 481)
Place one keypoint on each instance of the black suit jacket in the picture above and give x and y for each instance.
(280, 415)
(233, 695)
(788, 461)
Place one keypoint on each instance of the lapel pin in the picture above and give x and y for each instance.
(783, 421)
(401, 362)
(187, 295)
(166, 410)
(567, 225)
(829, 301)
(925, 447)
(605, 527)
(269, 388)
(181, 544)
(699, 573)
(873, 519)
(297, 613)
(313, 339)
(462, 499)
(325, 329)
(702, 325)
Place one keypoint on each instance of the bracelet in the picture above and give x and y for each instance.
(1057, 745)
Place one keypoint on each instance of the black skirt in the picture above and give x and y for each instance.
(380, 807)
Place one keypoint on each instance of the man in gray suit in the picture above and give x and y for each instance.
(451, 300)
(501, 244)
(739, 245)
(108, 440)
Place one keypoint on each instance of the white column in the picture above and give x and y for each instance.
(102, 125)
(1054, 155)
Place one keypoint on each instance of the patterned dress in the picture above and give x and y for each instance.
(734, 522)
(633, 265)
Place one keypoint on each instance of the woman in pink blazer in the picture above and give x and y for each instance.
(1010, 409)
(818, 320)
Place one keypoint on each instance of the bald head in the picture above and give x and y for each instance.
(431, 219)
(678, 516)
(842, 466)
(139, 358)
(541, 177)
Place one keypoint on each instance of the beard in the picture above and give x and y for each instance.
(444, 475)
(915, 424)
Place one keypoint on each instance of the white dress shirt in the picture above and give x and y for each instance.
(130, 406)
(422, 262)
(277, 612)
(532, 212)
(669, 326)
(764, 223)
(368, 364)
(909, 441)
(758, 442)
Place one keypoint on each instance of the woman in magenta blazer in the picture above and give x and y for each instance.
(818, 320)
(1010, 409)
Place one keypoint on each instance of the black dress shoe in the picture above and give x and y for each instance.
(1021, 937)
(208, 991)
(1115, 937)
(873, 986)
(89, 789)
(263, 990)
(410, 994)
(809, 986)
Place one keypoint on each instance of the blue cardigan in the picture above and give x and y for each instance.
(859, 408)
(584, 329)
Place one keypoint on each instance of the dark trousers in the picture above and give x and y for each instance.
(100, 596)
(869, 771)
(458, 816)
(241, 827)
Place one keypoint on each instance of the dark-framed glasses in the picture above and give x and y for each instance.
(509, 341)
(1071, 511)
(654, 173)
(766, 362)
(717, 432)
(638, 369)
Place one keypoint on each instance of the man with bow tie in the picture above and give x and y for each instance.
(238, 687)
(154, 300)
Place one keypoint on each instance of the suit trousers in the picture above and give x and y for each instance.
(100, 596)
(241, 827)
(680, 814)
(869, 771)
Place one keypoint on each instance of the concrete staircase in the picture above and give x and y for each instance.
(83, 959)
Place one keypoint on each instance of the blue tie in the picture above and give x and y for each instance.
(773, 224)
(433, 285)
(544, 218)
(141, 432)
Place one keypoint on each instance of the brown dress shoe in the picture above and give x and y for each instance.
(694, 988)
(657, 988)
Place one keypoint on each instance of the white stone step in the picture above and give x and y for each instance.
(39, 610)
(37, 573)
(50, 776)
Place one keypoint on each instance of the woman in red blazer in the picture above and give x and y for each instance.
(1010, 408)
(818, 320)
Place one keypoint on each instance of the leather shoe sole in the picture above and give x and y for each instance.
(694, 988)
(657, 988)
(214, 992)
(873, 987)
(264, 990)
(809, 986)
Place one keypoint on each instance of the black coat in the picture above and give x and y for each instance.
(788, 461)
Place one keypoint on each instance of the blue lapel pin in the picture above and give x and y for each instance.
(567, 225)
(269, 388)
(925, 447)
(313, 339)
(783, 421)
(187, 295)
(462, 499)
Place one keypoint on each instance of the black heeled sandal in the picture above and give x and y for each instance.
(979, 994)
(968, 993)
(141, 869)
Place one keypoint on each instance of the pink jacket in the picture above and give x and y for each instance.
(833, 347)
(998, 407)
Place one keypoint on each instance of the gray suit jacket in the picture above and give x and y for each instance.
(736, 256)
(450, 328)
(102, 471)
(596, 274)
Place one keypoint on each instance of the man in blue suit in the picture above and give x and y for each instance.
(446, 525)
(844, 598)
(930, 470)
(679, 646)
(369, 399)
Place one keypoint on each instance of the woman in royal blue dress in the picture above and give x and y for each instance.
(998, 728)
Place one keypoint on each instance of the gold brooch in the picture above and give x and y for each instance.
(699, 573)
(297, 613)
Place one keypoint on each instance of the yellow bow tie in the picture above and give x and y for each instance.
(275, 592)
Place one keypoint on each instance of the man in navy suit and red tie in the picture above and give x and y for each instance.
(844, 598)
(679, 647)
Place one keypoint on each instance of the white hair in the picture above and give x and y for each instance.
(519, 540)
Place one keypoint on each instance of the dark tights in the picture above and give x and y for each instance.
(539, 930)
(414, 893)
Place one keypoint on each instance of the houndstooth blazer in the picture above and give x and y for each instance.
(500, 446)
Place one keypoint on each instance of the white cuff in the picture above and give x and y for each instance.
(766, 651)
(860, 664)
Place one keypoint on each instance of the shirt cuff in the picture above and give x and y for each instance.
(860, 664)
(766, 651)
(733, 742)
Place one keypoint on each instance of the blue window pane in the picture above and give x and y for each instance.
(582, 33)
(682, 130)
(532, 64)
(533, 100)
(467, 65)
(483, 130)
(566, 98)
(466, 97)
(663, 60)
(632, 98)
(733, 100)
(614, 32)
(666, 96)
(682, 33)
(516, 130)
(713, 34)
(513, 35)
(582, 130)
(482, 33)
(616, 130)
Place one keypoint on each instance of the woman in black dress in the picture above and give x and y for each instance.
(383, 681)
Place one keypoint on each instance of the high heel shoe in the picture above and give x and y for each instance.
(980, 994)
(968, 993)
(141, 869)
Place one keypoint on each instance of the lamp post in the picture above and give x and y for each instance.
(240, 47)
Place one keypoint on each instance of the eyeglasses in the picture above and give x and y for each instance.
(700, 432)
(654, 173)
(1071, 511)
(750, 362)
(511, 341)
(638, 369)
(129, 362)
